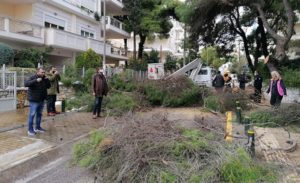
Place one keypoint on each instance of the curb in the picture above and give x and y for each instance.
(18, 171)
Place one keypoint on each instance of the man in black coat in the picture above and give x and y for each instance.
(258, 80)
(218, 82)
(37, 93)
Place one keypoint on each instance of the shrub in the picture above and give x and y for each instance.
(88, 59)
(285, 115)
(212, 102)
(30, 57)
(291, 77)
(119, 103)
(85, 99)
(122, 82)
(173, 92)
(7, 54)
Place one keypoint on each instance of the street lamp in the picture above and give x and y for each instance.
(103, 28)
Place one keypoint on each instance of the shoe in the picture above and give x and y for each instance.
(51, 114)
(30, 133)
(41, 130)
(94, 116)
(56, 112)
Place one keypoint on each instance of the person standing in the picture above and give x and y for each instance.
(258, 80)
(228, 81)
(218, 82)
(243, 80)
(52, 92)
(37, 93)
(99, 89)
(277, 89)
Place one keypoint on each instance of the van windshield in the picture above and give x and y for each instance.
(202, 72)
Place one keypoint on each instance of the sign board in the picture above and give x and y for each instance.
(156, 71)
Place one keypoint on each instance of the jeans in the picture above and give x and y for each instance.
(36, 109)
(97, 106)
(51, 99)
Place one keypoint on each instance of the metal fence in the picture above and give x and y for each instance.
(8, 90)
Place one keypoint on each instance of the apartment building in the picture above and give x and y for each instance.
(171, 45)
(68, 26)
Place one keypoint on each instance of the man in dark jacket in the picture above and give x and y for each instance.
(218, 82)
(99, 89)
(258, 80)
(37, 93)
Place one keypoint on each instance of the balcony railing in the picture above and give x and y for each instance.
(118, 51)
(20, 27)
(114, 22)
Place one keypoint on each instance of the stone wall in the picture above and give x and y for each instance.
(65, 92)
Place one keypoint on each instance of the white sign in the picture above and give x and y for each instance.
(156, 71)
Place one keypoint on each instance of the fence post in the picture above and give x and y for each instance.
(64, 69)
(15, 89)
(3, 76)
(83, 71)
(22, 78)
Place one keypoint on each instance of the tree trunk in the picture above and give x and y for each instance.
(125, 46)
(141, 46)
(134, 46)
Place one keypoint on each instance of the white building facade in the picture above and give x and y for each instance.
(68, 26)
(171, 45)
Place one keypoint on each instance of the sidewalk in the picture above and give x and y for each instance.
(17, 148)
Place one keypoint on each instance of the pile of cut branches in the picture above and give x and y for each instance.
(154, 149)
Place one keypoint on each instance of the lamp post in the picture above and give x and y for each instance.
(102, 25)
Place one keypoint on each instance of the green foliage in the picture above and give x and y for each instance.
(138, 65)
(70, 76)
(87, 80)
(122, 82)
(212, 102)
(7, 54)
(88, 59)
(85, 154)
(153, 57)
(187, 97)
(119, 103)
(30, 57)
(241, 168)
(154, 94)
(170, 63)
(291, 77)
(226, 102)
(285, 115)
(81, 100)
(211, 57)
(181, 92)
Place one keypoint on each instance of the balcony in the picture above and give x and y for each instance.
(21, 31)
(70, 41)
(63, 39)
(73, 7)
(115, 7)
(115, 29)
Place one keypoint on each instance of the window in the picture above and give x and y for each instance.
(202, 72)
(54, 22)
(50, 25)
(87, 34)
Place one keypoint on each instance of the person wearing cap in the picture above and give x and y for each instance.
(99, 89)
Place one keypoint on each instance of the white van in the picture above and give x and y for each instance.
(204, 76)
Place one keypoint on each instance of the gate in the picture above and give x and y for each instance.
(8, 90)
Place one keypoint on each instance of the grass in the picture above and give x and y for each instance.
(241, 168)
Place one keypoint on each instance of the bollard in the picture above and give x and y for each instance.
(63, 105)
(251, 142)
(238, 112)
(246, 122)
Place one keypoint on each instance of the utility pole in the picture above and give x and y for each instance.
(184, 46)
(104, 36)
